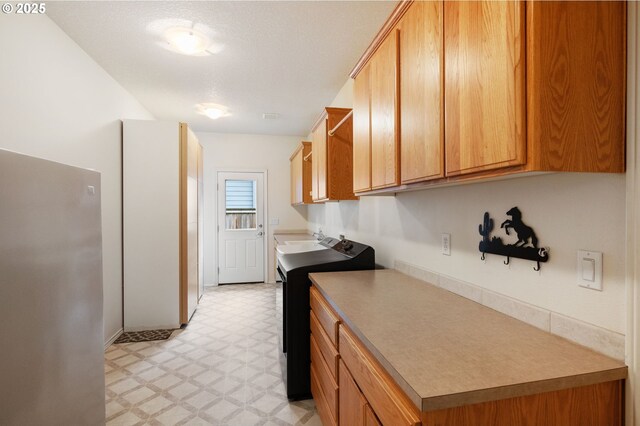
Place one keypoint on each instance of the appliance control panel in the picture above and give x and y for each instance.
(344, 246)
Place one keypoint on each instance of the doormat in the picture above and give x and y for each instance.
(143, 336)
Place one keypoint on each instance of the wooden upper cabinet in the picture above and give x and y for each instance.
(384, 110)
(362, 132)
(484, 85)
(301, 174)
(576, 76)
(461, 90)
(332, 157)
(320, 148)
(421, 96)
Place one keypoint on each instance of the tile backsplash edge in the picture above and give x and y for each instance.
(599, 339)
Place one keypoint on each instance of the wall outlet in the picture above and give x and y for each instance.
(446, 244)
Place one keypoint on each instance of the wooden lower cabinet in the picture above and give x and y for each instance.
(370, 418)
(354, 408)
(387, 400)
(599, 404)
(321, 403)
(352, 402)
(362, 393)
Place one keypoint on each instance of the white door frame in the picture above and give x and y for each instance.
(265, 204)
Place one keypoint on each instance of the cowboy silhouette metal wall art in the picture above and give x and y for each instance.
(525, 248)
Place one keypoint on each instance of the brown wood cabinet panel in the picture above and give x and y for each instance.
(362, 132)
(385, 397)
(421, 95)
(576, 85)
(340, 155)
(484, 85)
(370, 418)
(332, 157)
(593, 405)
(328, 385)
(321, 403)
(319, 164)
(325, 315)
(384, 111)
(327, 349)
(301, 175)
(295, 168)
(352, 402)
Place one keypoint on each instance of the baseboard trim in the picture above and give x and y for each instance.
(113, 339)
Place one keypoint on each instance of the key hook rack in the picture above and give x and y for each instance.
(525, 248)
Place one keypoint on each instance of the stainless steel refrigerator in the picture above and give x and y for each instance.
(51, 337)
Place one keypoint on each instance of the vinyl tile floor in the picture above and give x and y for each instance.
(222, 369)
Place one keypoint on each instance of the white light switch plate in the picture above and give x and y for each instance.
(274, 221)
(446, 244)
(589, 269)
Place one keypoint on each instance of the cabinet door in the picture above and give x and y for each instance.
(484, 85)
(314, 167)
(576, 86)
(319, 162)
(362, 131)
(421, 100)
(321, 158)
(370, 418)
(384, 137)
(306, 173)
(352, 402)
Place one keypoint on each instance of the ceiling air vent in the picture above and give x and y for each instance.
(270, 115)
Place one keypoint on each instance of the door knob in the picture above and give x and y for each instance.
(260, 234)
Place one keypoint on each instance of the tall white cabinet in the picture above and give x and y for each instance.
(162, 201)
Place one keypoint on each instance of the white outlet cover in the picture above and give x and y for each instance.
(446, 244)
(589, 269)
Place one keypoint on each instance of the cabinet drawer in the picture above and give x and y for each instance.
(321, 402)
(327, 319)
(328, 351)
(388, 401)
(328, 385)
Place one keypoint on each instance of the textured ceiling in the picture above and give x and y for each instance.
(283, 57)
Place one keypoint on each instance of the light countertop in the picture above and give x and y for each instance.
(283, 236)
(444, 350)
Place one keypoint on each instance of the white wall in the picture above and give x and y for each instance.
(57, 103)
(567, 211)
(242, 153)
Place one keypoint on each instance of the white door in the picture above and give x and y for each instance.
(240, 227)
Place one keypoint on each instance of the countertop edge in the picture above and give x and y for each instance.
(522, 389)
(479, 395)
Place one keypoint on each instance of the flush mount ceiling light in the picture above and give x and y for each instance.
(213, 111)
(184, 37)
(187, 41)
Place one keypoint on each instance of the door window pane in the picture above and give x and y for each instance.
(240, 204)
